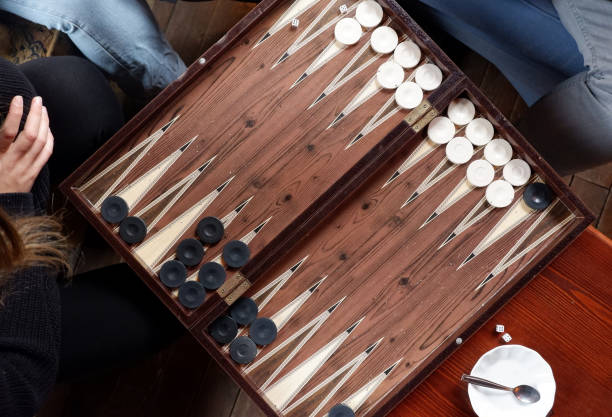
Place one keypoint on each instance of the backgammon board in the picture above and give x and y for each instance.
(279, 178)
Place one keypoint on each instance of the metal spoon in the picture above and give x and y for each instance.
(524, 393)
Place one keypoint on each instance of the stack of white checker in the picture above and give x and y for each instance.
(384, 40)
(478, 132)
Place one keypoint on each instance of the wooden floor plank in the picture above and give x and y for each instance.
(216, 395)
(499, 90)
(605, 221)
(188, 26)
(162, 10)
(601, 175)
(593, 195)
(245, 407)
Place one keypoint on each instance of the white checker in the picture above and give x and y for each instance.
(517, 172)
(390, 75)
(408, 95)
(480, 173)
(384, 40)
(343, 9)
(461, 111)
(441, 130)
(347, 31)
(407, 54)
(479, 131)
(500, 328)
(506, 337)
(500, 193)
(498, 152)
(369, 14)
(459, 150)
(295, 23)
(428, 77)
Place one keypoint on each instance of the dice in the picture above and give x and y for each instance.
(499, 328)
(295, 22)
(343, 9)
(506, 337)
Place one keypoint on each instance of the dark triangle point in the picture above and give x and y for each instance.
(340, 116)
(389, 369)
(167, 125)
(304, 75)
(185, 146)
(332, 308)
(296, 266)
(266, 36)
(359, 136)
(258, 228)
(433, 216)
(285, 56)
(350, 329)
(451, 237)
(314, 287)
(221, 187)
(321, 97)
(371, 348)
(394, 176)
(469, 258)
(241, 206)
(413, 197)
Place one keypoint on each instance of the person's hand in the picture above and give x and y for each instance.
(23, 154)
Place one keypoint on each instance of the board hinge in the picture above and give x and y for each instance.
(233, 288)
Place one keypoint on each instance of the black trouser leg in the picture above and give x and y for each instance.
(83, 110)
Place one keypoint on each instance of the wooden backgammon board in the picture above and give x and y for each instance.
(279, 179)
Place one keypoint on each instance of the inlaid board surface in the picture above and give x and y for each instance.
(379, 293)
(254, 138)
(369, 250)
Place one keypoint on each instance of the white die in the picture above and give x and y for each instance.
(499, 328)
(506, 337)
(343, 9)
(295, 23)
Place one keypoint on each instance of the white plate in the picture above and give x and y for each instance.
(512, 365)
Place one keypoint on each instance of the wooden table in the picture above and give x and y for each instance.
(564, 314)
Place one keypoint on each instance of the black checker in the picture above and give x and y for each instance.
(243, 350)
(132, 230)
(263, 331)
(191, 294)
(223, 330)
(190, 252)
(538, 195)
(173, 273)
(341, 410)
(114, 209)
(210, 230)
(236, 254)
(212, 275)
(244, 311)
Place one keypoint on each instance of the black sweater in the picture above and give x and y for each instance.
(30, 316)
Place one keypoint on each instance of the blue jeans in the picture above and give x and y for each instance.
(557, 54)
(120, 36)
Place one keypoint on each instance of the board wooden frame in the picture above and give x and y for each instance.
(400, 139)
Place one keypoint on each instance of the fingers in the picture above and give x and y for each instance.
(10, 127)
(44, 154)
(41, 139)
(30, 130)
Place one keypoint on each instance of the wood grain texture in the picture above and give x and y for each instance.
(564, 314)
(266, 141)
(380, 248)
(406, 256)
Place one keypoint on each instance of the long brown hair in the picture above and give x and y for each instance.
(30, 241)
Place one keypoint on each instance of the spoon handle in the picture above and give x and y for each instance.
(483, 382)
